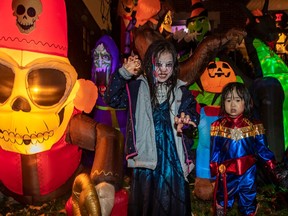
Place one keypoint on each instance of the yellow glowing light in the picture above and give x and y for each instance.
(35, 90)
(35, 149)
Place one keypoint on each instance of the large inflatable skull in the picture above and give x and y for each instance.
(36, 101)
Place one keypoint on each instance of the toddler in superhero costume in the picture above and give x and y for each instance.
(237, 142)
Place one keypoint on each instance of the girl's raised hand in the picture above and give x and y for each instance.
(183, 120)
(132, 65)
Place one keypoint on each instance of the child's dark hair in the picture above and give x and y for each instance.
(242, 92)
(154, 50)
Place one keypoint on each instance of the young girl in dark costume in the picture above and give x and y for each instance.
(162, 114)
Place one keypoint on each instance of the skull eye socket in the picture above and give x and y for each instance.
(20, 9)
(31, 12)
(46, 86)
(7, 77)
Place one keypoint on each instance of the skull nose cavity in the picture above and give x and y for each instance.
(21, 104)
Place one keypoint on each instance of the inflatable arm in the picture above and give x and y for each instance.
(107, 143)
(107, 170)
(192, 68)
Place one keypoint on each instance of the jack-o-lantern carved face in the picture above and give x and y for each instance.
(216, 75)
(27, 13)
(36, 101)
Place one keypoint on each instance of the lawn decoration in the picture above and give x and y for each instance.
(43, 126)
(270, 86)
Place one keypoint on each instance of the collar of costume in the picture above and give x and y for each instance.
(238, 121)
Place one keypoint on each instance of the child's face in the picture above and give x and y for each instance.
(164, 67)
(234, 105)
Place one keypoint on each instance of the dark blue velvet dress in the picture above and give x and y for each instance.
(162, 191)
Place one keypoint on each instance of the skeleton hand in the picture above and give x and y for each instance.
(88, 199)
(233, 38)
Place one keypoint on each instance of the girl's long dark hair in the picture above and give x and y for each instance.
(154, 50)
(242, 92)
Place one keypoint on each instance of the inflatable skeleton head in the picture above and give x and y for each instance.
(38, 85)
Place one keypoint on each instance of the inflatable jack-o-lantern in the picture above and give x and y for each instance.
(216, 75)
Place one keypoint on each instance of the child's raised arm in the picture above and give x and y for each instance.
(132, 65)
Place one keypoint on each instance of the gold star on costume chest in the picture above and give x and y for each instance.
(236, 133)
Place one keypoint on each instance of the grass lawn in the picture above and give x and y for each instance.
(271, 201)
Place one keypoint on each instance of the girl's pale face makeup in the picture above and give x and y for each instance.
(164, 67)
(234, 105)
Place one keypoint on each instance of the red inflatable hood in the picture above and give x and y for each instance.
(34, 25)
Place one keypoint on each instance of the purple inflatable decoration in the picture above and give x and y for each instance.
(106, 61)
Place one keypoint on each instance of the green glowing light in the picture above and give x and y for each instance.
(272, 65)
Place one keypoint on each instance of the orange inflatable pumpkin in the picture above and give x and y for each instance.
(216, 75)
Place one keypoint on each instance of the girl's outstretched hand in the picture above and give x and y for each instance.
(132, 65)
(182, 121)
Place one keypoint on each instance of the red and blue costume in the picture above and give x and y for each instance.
(236, 145)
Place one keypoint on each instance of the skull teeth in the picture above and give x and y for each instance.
(15, 138)
(25, 27)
